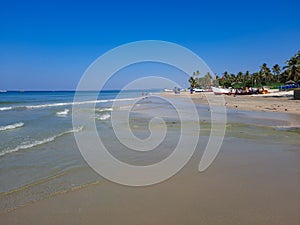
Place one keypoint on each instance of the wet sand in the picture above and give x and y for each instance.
(241, 187)
(252, 181)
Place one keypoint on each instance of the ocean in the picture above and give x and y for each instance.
(39, 157)
(38, 154)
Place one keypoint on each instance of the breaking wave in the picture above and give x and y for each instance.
(103, 117)
(11, 126)
(5, 108)
(104, 110)
(63, 113)
(287, 128)
(65, 104)
(35, 143)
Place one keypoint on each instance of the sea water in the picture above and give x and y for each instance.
(39, 157)
(38, 153)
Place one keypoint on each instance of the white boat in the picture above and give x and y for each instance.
(3, 91)
(220, 91)
(168, 90)
(198, 90)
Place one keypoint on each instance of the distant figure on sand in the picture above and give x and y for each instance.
(176, 90)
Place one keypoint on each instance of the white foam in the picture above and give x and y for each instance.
(286, 128)
(76, 103)
(63, 113)
(48, 105)
(11, 126)
(5, 108)
(103, 117)
(32, 144)
(66, 104)
(104, 109)
(75, 130)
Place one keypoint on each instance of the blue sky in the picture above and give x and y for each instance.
(49, 44)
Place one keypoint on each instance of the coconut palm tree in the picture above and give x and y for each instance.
(276, 70)
(266, 73)
(257, 79)
(293, 67)
(247, 78)
(239, 78)
(193, 82)
(227, 79)
(196, 73)
(225, 75)
(217, 81)
(208, 79)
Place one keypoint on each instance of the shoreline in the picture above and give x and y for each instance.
(241, 187)
(272, 102)
(253, 181)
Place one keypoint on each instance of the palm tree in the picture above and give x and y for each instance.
(196, 73)
(225, 74)
(217, 81)
(192, 82)
(224, 79)
(232, 78)
(266, 73)
(247, 78)
(276, 70)
(293, 67)
(257, 79)
(208, 79)
(239, 77)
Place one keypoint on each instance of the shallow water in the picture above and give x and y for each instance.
(39, 157)
(38, 153)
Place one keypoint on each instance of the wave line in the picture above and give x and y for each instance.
(11, 126)
(5, 108)
(65, 104)
(40, 142)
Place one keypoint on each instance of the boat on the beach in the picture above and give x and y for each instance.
(220, 91)
(239, 91)
(168, 90)
(198, 90)
(176, 90)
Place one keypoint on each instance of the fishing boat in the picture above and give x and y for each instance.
(220, 91)
(198, 90)
(168, 90)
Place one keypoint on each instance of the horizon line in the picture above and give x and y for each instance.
(72, 90)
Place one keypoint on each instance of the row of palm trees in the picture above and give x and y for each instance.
(196, 81)
(275, 76)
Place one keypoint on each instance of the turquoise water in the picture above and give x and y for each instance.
(39, 156)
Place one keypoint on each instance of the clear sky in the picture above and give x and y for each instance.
(49, 44)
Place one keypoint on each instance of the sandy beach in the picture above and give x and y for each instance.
(98, 125)
(242, 187)
(272, 102)
(254, 180)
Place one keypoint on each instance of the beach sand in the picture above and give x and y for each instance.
(252, 181)
(273, 102)
(242, 187)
